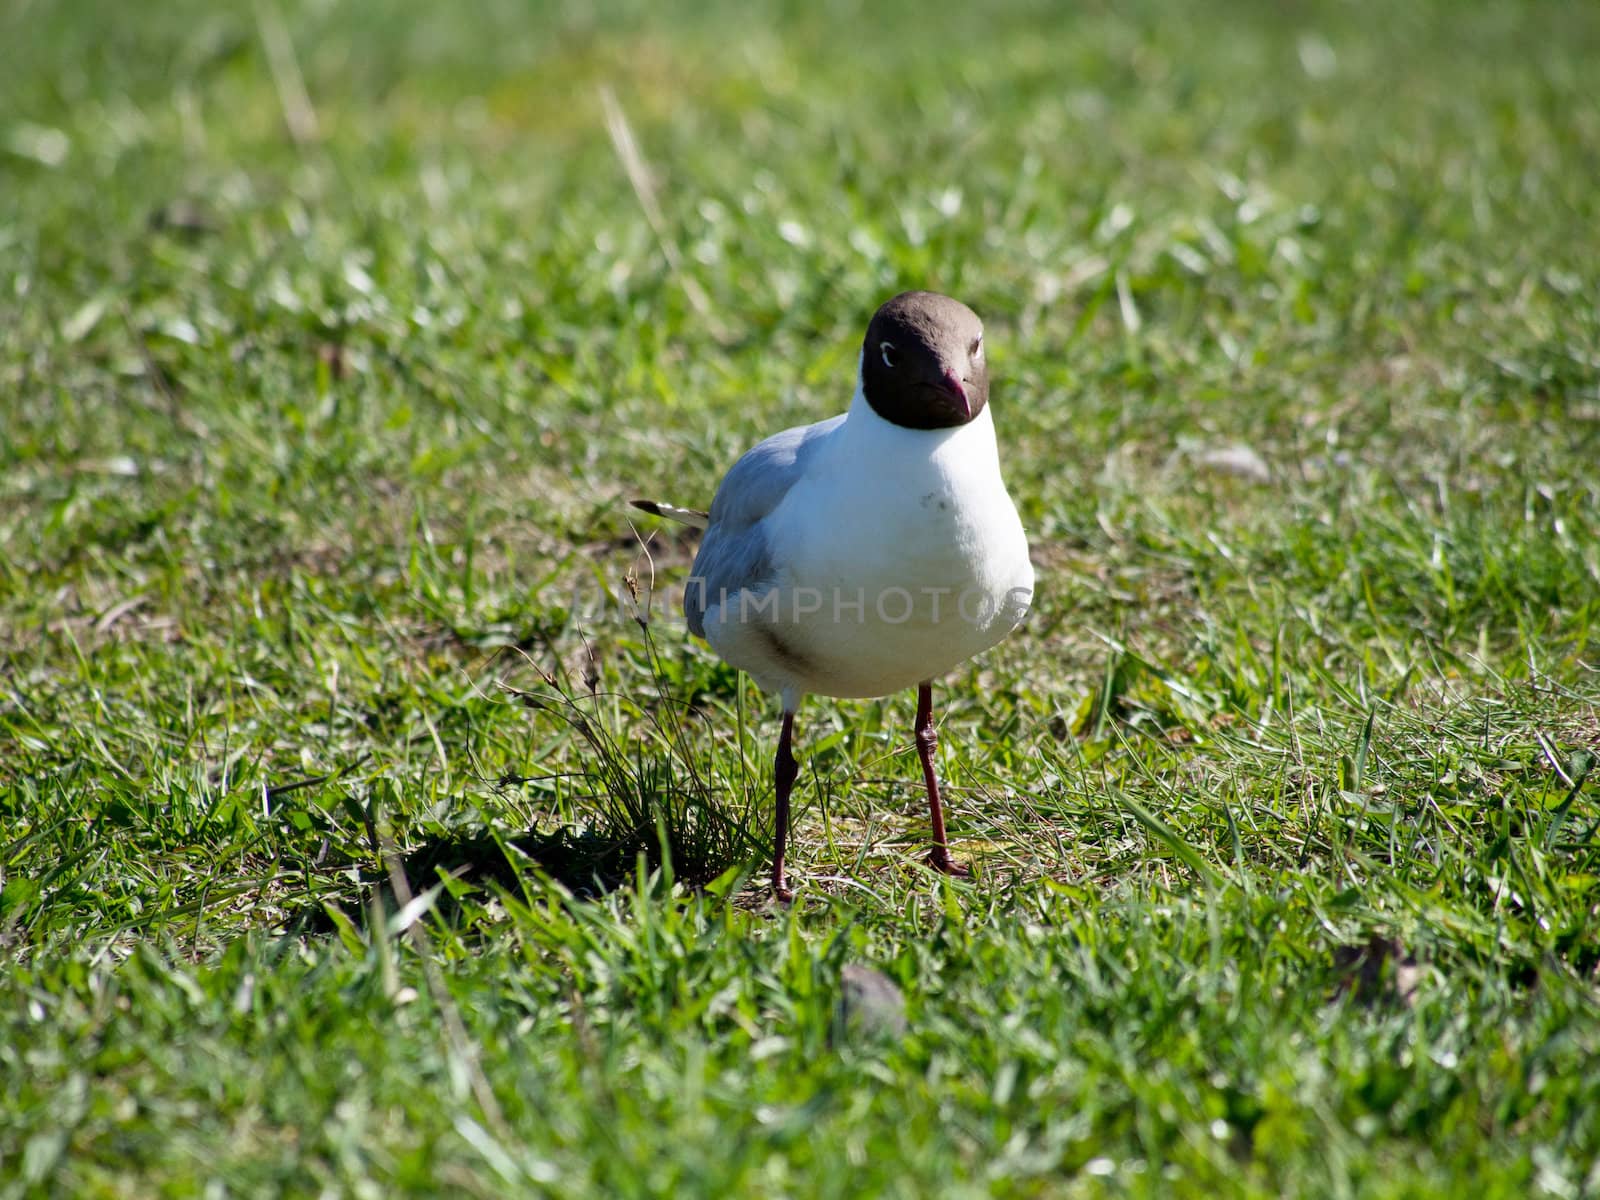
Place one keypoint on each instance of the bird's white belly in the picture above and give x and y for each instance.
(879, 593)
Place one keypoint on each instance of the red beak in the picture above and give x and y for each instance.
(951, 386)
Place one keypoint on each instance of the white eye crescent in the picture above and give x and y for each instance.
(887, 350)
(977, 346)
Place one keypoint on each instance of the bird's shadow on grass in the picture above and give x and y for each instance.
(585, 864)
(648, 798)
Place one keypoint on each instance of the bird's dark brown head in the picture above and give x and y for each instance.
(923, 364)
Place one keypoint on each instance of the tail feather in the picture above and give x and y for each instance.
(684, 516)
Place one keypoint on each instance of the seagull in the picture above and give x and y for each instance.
(872, 552)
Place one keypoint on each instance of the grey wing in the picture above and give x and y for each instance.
(734, 553)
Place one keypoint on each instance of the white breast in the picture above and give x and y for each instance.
(898, 555)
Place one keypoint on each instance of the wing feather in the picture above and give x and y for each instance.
(734, 553)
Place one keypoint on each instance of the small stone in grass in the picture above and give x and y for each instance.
(870, 1006)
(1238, 459)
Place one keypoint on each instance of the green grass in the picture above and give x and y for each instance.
(318, 424)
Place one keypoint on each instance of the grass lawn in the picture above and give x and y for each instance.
(335, 768)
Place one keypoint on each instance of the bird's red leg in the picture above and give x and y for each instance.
(784, 770)
(927, 742)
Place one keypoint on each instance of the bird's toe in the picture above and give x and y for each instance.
(939, 859)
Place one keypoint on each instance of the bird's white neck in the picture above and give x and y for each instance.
(868, 433)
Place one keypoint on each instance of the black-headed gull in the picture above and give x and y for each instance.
(873, 551)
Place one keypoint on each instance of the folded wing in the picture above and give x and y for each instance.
(735, 555)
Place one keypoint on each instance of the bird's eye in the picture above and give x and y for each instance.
(887, 350)
(977, 346)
